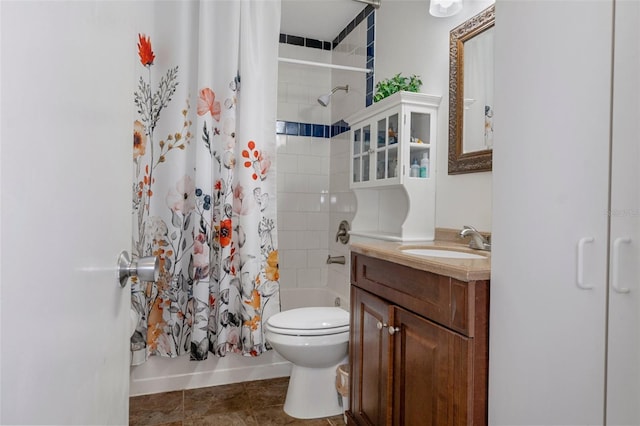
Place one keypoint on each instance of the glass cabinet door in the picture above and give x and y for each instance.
(393, 135)
(387, 147)
(366, 147)
(420, 144)
(361, 154)
(357, 152)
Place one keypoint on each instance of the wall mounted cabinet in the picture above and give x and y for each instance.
(395, 200)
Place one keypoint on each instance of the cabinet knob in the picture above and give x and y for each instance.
(393, 330)
(381, 325)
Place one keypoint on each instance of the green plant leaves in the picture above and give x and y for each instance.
(395, 84)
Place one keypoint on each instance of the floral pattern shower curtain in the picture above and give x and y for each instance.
(204, 177)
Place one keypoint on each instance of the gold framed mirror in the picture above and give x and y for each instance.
(471, 94)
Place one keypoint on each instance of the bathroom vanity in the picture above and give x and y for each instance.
(419, 337)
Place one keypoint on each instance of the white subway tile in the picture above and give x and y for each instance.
(309, 202)
(311, 113)
(339, 181)
(287, 240)
(287, 163)
(310, 277)
(288, 278)
(297, 93)
(293, 221)
(317, 221)
(306, 240)
(287, 111)
(320, 147)
(293, 258)
(280, 180)
(282, 89)
(296, 182)
(319, 183)
(286, 202)
(317, 258)
(312, 165)
(281, 143)
(299, 145)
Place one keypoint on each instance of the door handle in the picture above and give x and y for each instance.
(616, 264)
(145, 268)
(580, 273)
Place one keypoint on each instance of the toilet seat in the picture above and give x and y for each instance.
(313, 321)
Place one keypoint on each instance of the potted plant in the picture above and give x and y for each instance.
(397, 83)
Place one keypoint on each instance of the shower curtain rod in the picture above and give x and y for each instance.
(324, 65)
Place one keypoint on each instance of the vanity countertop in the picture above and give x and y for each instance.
(460, 269)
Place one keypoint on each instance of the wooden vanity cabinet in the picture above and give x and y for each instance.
(432, 368)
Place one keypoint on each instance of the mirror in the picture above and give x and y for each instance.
(471, 94)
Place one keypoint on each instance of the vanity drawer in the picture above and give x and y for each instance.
(439, 298)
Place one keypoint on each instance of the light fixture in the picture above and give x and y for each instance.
(445, 8)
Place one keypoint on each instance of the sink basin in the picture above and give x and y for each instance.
(451, 254)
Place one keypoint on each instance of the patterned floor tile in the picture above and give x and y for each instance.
(256, 403)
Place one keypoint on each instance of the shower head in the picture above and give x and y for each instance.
(325, 99)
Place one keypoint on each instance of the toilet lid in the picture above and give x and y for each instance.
(315, 318)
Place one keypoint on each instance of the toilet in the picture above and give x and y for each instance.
(316, 341)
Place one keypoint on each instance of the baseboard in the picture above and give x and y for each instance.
(149, 379)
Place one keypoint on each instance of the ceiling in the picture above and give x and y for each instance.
(318, 19)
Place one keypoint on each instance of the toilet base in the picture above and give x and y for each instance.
(312, 393)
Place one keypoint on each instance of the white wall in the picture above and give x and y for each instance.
(460, 199)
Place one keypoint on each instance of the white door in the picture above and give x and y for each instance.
(623, 360)
(66, 130)
(550, 197)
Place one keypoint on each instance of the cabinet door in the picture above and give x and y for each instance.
(430, 372)
(623, 360)
(361, 154)
(369, 354)
(419, 126)
(387, 145)
(550, 190)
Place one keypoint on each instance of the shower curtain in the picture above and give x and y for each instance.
(204, 177)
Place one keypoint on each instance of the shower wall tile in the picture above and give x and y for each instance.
(309, 240)
(320, 146)
(317, 258)
(287, 163)
(292, 221)
(313, 165)
(311, 277)
(317, 221)
(313, 151)
(303, 207)
(288, 238)
(288, 277)
(293, 258)
(319, 184)
(294, 182)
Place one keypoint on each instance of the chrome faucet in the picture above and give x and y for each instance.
(478, 241)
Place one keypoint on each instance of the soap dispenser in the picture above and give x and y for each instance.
(424, 166)
(415, 169)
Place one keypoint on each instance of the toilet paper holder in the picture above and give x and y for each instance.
(145, 268)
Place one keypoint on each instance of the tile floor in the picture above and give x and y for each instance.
(257, 403)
